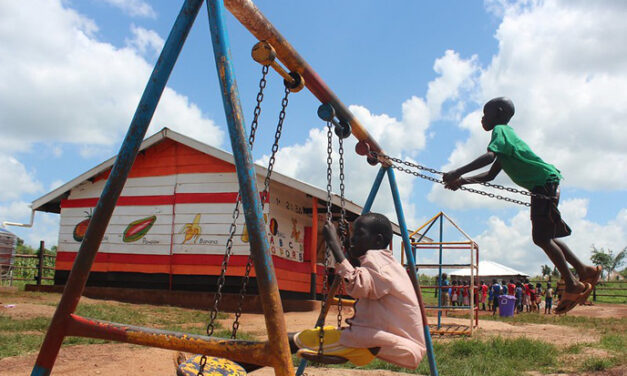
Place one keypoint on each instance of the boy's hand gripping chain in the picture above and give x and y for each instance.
(381, 156)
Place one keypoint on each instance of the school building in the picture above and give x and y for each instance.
(171, 223)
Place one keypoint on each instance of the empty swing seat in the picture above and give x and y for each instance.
(213, 367)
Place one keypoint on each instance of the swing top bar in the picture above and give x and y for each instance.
(252, 18)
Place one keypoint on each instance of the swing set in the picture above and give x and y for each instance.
(275, 352)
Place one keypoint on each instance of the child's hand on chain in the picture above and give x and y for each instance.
(454, 184)
(330, 236)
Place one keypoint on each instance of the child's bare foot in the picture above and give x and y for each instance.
(573, 296)
(591, 275)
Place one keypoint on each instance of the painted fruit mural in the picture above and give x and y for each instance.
(137, 229)
(192, 230)
(81, 228)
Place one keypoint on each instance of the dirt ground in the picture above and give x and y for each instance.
(123, 359)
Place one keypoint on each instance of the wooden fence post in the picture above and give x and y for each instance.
(594, 294)
(40, 266)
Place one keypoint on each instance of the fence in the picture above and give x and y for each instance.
(614, 292)
(604, 291)
(37, 267)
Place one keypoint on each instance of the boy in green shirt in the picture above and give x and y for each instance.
(509, 153)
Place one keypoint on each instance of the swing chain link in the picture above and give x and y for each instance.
(275, 145)
(327, 251)
(201, 366)
(266, 189)
(472, 190)
(343, 226)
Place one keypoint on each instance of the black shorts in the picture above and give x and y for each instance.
(546, 220)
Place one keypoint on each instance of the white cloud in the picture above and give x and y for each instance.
(15, 211)
(16, 180)
(134, 7)
(563, 64)
(56, 184)
(144, 40)
(455, 74)
(307, 161)
(509, 242)
(61, 84)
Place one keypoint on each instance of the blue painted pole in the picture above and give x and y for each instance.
(411, 262)
(259, 247)
(113, 188)
(374, 190)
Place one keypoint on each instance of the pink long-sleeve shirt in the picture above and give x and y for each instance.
(387, 314)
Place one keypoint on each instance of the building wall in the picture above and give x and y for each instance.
(172, 221)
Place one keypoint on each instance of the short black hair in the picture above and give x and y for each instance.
(381, 225)
(504, 106)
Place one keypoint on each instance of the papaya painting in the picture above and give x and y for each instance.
(81, 228)
(274, 226)
(138, 229)
(192, 230)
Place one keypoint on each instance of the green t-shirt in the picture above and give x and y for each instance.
(521, 164)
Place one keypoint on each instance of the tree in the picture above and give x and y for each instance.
(607, 260)
(546, 271)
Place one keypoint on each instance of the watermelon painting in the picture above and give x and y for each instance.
(137, 229)
(81, 228)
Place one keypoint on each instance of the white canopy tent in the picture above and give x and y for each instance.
(489, 270)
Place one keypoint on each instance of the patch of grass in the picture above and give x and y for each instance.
(123, 313)
(144, 315)
(14, 344)
(597, 364)
(495, 356)
(614, 342)
(39, 324)
(603, 325)
(574, 349)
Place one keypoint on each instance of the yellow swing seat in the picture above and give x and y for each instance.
(214, 367)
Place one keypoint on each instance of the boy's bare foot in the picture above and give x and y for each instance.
(591, 275)
(571, 298)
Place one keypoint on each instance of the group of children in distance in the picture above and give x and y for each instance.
(528, 296)
(387, 322)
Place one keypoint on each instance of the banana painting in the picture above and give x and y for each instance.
(192, 230)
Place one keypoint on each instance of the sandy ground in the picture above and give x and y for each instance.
(123, 359)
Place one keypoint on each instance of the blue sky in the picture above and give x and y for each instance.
(415, 73)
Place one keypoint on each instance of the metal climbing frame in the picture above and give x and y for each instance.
(275, 351)
(468, 245)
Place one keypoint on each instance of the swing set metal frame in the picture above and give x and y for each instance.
(274, 352)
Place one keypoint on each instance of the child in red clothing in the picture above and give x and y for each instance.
(511, 287)
(484, 293)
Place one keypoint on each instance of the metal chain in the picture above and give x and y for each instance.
(229, 243)
(343, 226)
(327, 251)
(264, 196)
(472, 190)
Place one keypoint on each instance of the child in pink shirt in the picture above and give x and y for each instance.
(387, 318)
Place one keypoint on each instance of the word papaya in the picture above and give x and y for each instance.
(137, 229)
